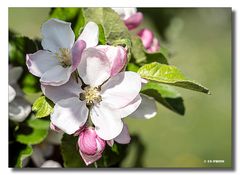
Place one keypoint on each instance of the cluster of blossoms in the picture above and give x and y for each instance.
(87, 82)
(132, 19)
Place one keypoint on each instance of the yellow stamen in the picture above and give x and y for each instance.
(91, 95)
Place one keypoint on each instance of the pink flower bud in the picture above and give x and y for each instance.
(150, 43)
(133, 21)
(90, 145)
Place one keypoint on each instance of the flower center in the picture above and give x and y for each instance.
(64, 55)
(91, 95)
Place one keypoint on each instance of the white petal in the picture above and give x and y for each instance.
(19, 109)
(14, 74)
(121, 89)
(69, 114)
(51, 164)
(57, 34)
(108, 123)
(117, 57)
(70, 89)
(56, 76)
(11, 93)
(123, 137)
(40, 62)
(94, 67)
(130, 108)
(147, 108)
(125, 13)
(90, 34)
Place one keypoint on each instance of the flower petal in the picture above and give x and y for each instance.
(57, 34)
(14, 74)
(108, 123)
(77, 50)
(130, 108)
(123, 137)
(69, 114)
(19, 109)
(147, 108)
(89, 159)
(117, 57)
(90, 34)
(56, 76)
(121, 89)
(51, 164)
(40, 62)
(11, 93)
(94, 67)
(70, 89)
(133, 21)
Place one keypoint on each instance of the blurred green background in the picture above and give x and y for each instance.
(199, 40)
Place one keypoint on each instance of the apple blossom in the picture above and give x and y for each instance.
(90, 145)
(61, 56)
(102, 93)
(19, 108)
(150, 43)
(130, 16)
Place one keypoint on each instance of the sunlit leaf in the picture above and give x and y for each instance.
(167, 74)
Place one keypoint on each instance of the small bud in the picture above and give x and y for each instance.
(150, 43)
(90, 145)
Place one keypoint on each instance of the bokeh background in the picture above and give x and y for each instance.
(199, 40)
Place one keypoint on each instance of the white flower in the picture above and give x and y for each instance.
(61, 56)
(108, 94)
(19, 108)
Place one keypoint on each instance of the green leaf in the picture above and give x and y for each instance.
(43, 107)
(141, 56)
(167, 74)
(113, 26)
(33, 131)
(102, 39)
(73, 15)
(166, 95)
(70, 154)
(132, 67)
(17, 153)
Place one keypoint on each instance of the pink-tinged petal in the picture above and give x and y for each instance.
(94, 67)
(54, 128)
(110, 142)
(130, 108)
(69, 115)
(56, 76)
(123, 137)
(155, 46)
(146, 36)
(90, 34)
(57, 34)
(108, 123)
(121, 89)
(70, 89)
(11, 93)
(147, 108)
(117, 57)
(89, 159)
(14, 75)
(133, 21)
(77, 50)
(40, 62)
